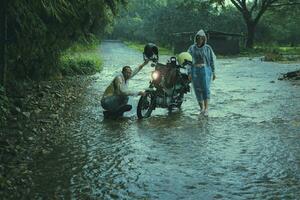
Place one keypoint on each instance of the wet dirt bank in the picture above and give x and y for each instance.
(38, 113)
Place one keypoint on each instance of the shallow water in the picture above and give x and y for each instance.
(248, 148)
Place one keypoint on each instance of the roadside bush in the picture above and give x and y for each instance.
(273, 55)
(80, 64)
(40, 30)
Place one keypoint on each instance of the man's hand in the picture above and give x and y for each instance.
(146, 62)
(214, 76)
(142, 93)
(190, 77)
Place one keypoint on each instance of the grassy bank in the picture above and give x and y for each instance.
(81, 59)
(140, 47)
(274, 53)
(270, 53)
(261, 50)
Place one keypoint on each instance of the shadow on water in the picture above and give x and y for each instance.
(173, 121)
(116, 125)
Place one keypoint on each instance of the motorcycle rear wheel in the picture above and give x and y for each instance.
(145, 106)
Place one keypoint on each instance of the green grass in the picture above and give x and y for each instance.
(274, 53)
(140, 47)
(289, 50)
(81, 60)
(262, 50)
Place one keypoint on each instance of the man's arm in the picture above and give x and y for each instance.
(122, 89)
(212, 62)
(136, 70)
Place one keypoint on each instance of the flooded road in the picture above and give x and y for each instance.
(248, 148)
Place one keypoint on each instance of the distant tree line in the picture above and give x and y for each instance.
(261, 21)
(37, 31)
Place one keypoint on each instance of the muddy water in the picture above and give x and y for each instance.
(248, 148)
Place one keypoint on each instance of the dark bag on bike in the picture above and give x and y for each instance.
(171, 77)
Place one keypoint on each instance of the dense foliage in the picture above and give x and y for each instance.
(281, 25)
(38, 39)
(158, 20)
(80, 59)
(38, 31)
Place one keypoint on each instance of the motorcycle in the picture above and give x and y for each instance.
(167, 88)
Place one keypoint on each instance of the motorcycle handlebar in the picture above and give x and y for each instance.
(154, 64)
(165, 65)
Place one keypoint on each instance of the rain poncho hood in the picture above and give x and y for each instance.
(200, 33)
(204, 52)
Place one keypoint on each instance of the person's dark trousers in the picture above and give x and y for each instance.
(115, 106)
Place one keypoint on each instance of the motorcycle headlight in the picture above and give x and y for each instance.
(155, 75)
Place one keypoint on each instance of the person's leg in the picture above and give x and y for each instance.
(122, 109)
(197, 84)
(111, 103)
(123, 106)
(115, 106)
(206, 104)
(206, 91)
(202, 106)
(123, 100)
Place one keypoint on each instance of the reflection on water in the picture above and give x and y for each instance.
(247, 149)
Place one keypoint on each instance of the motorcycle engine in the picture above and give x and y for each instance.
(163, 101)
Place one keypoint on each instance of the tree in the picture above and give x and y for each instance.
(3, 42)
(39, 31)
(252, 11)
(281, 24)
(157, 20)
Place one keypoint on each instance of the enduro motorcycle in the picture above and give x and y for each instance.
(166, 89)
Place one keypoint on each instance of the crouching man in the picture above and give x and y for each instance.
(115, 98)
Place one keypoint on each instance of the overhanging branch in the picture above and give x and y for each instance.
(237, 5)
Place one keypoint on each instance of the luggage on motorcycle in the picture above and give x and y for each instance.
(171, 73)
(171, 77)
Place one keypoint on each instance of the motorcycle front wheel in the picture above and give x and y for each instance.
(180, 101)
(145, 106)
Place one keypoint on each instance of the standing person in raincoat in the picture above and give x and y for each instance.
(202, 70)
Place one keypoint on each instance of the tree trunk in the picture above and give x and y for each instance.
(251, 33)
(294, 75)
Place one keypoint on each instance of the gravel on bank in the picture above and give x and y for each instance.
(38, 111)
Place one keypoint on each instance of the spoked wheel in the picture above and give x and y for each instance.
(145, 106)
(180, 101)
